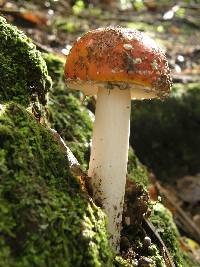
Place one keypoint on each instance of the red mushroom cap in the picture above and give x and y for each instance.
(120, 57)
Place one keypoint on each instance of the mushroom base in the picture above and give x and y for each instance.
(109, 156)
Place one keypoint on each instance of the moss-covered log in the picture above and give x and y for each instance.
(46, 220)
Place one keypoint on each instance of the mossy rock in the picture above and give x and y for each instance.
(46, 220)
(23, 71)
(166, 135)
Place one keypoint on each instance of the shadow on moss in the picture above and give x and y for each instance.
(166, 135)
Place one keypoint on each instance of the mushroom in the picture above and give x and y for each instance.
(116, 64)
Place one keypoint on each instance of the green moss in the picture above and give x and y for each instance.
(156, 257)
(72, 24)
(163, 221)
(165, 226)
(23, 72)
(67, 114)
(136, 171)
(120, 262)
(45, 218)
(166, 135)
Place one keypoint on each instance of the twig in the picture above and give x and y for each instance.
(74, 165)
(166, 255)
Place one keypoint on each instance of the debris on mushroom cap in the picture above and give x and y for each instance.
(119, 55)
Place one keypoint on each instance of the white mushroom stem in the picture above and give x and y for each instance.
(109, 155)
